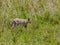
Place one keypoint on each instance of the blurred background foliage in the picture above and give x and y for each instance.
(44, 28)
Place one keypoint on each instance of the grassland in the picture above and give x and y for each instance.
(44, 28)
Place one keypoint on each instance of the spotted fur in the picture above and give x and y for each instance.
(18, 21)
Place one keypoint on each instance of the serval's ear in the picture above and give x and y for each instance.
(29, 20)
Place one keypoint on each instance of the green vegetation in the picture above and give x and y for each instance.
(45, 22)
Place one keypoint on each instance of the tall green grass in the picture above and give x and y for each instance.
(44, 28)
